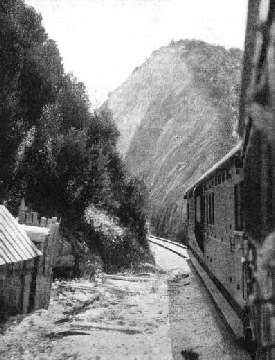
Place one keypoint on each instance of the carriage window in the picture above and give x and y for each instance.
(238, 163)
(228, 175)
(238, 206)
(211, 208)
(198, 209)
(206, 209)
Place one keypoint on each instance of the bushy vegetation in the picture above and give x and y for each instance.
(118, 246)
(54, 151)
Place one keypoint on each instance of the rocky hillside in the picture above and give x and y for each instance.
(176, 115)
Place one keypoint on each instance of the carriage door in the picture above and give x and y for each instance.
(199, 216)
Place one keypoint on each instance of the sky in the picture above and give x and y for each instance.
(102, 41)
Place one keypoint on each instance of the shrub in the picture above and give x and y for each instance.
(119, 247)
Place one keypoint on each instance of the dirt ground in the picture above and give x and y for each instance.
(126, 320)
(160, 315)
(196, 329)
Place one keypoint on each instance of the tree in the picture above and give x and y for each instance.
(30, 70)
(133, 207)
(53, 150)
(74, 102)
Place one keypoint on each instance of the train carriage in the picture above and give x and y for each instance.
(216, 235)
(257, 129)
(231, 208)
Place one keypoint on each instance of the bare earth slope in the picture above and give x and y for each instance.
(176, 115)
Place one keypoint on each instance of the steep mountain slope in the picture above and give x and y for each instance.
(176, 115)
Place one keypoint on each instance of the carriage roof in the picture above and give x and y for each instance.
(232, 153)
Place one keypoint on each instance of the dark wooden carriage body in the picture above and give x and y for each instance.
(232, 223)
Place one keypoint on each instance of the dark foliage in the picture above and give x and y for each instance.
(30, 71)
(132, 211)
(54, 151)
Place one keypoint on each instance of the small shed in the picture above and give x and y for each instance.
(46, 240)
(58, 259)
(19, 260)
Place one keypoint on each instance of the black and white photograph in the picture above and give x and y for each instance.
(137, 179)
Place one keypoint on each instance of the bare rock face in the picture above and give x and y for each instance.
(176, 115)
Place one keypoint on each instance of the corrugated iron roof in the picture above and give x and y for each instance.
(15, 245)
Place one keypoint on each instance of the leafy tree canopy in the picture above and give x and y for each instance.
(54, 151)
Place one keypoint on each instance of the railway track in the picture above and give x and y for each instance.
(172, 246)
(156, 238)
(225, 311)
(193, 308)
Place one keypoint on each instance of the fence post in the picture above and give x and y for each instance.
(43, 222)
